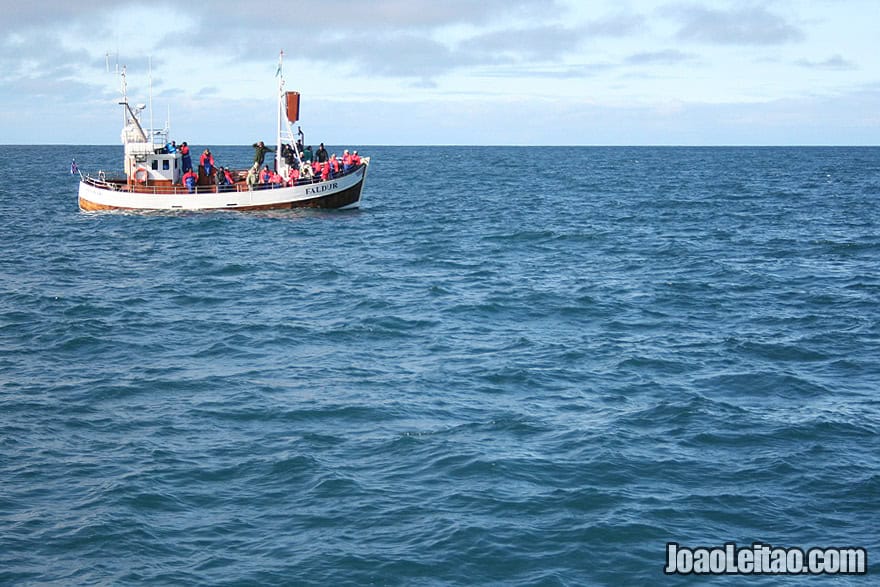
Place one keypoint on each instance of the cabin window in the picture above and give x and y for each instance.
(165, 165)
(155, 165)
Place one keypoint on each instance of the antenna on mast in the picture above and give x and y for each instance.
(150, 68)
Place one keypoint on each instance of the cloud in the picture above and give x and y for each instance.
(431, 14)
(745, 25)
(833, 63)
(667, 57)
(548, 71)
(18, 16)
(386, 38)
(618, 25)
(276, 21)
(536, 43)
(396, 55)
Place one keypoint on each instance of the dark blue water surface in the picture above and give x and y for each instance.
(517, 366)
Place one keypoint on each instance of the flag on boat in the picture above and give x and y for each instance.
(73, 168)
(278, 71)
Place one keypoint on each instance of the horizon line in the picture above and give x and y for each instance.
(499, 145)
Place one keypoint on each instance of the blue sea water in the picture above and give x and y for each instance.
(511, 366)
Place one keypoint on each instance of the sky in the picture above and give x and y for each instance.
(448, 72)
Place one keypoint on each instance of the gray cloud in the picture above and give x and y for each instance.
(549, 71)
(833, 63)
(433, 14)
(618, 25)
(389, 38)
(401, 55)
(18, 16)
(535, 43)
(745, 25)
(667, 57)
(274, 20)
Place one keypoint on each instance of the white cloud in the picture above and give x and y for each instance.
(741, 25)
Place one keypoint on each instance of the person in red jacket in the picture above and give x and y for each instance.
(207, 161)
(189, 179)
(187, 160)
(265, 174)
(356, 159)
(346, 161)
(325, 170)
(334, 165)
(293, 176)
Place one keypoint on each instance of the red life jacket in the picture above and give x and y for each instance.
(335, 164)
(346, 159)
(190, 175)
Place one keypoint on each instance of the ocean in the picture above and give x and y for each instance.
(511, 366)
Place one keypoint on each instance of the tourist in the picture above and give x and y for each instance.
(293, 176)
(265, 174)
(260, 151)
(187, 160)
(207, 162)
(288, 154)
(346, 161)
(322, 154)
(227, 175)
(190, 179)
(355, 159)
(252, 176)
(308, 155)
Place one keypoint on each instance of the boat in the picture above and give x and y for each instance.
(154, 178)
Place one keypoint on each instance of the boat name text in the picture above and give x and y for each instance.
(321, 188)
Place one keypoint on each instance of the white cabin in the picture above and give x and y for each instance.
(147, 161)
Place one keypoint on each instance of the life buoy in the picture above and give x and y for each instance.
(137, 174)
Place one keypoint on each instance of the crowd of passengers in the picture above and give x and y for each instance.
(304, 164)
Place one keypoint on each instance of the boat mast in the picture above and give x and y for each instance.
(280, 77)
(124, 91)
(150, 69)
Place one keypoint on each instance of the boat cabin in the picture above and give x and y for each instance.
(148, 162)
